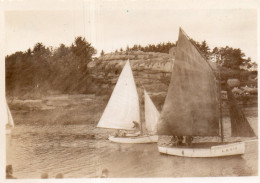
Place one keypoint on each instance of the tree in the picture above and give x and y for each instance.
(40, 69)
(29, 52)
(127, 48)
(41, 52)
(204, 48)
(229, 57)
(61, 51)
(102, 53)
(82, 49)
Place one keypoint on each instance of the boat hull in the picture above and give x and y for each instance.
(231, 149)
(134, 140)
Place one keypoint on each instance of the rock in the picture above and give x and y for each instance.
(233, 82)
(237, 90)
(151, 71)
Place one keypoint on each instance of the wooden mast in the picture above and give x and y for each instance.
(220, 105)
(140, 113)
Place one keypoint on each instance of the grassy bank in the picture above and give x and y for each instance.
(76, 109)
(58, 109)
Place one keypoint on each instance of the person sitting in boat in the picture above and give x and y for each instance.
(116, 134)
(120, 134)
(137, 128)
(174, 140)
(136, 125)
(59, 176)
(188, 140)
(180, 139)
(123, 134)
(9, 172)
(44, 176)
(104, 173)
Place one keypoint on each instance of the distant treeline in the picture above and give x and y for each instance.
(228, 57)
(42, 69)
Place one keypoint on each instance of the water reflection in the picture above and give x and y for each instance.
(33, 150)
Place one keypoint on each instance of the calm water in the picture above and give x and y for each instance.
(70, 149)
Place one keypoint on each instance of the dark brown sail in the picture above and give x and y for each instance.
(191, 104)
(239, 124)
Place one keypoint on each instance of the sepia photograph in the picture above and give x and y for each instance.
(128, 89)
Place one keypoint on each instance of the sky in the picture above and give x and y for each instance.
(111, 25)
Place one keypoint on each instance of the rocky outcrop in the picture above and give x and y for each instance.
(233, 82)
(151, 71)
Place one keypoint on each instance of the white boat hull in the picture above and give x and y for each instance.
(231, 149)
(131, 135)
(135, 140)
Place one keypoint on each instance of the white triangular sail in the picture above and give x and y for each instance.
(10, 120)
(123, 106)
(152, 115)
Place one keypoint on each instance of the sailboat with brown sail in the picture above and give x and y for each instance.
(123, 111)
(193, 107)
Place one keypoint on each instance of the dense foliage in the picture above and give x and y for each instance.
(161, 47)
(42, 69)
(228, 57)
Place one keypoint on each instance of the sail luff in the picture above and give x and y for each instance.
(191, 104)
(10, 117)
(9, 120)
(151, 115)
(123, 106)
(204, 58)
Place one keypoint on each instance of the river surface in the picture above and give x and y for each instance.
(73, 151)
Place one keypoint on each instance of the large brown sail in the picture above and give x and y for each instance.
(239, 124)
(191, 104)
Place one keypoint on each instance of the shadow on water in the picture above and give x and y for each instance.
(206, 167)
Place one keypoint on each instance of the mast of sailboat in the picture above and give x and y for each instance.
(141, 128)
(219, 76)
(220, 105)
(141, 123)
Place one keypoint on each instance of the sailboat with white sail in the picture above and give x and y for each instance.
(123, 111)
(193, 107)
(9, 120)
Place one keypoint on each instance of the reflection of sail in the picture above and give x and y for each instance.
(191, 106)
(151, 115)
(123, 106)
(239, 124)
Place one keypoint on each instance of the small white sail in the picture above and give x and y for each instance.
(123, 106)
(152, 115)
(10, 121)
